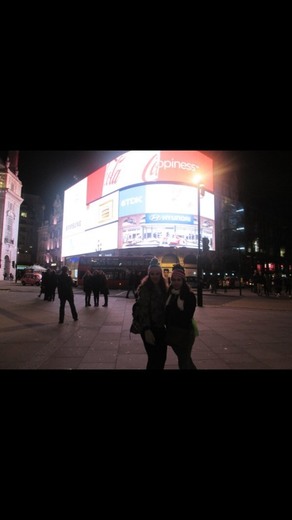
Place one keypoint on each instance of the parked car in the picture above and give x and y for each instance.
(31, 279)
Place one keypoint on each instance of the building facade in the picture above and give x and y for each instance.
(31, 216)
(10, 202)
(140, 204)
(50, 238)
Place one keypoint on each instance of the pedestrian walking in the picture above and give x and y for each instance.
(65, 293)
(132, 284)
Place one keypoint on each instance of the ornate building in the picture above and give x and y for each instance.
(10, 201)
(50, 238)
(31, 216)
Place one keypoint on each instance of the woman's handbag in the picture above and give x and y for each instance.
(135, 326)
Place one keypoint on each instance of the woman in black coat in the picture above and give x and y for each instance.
(180, 308)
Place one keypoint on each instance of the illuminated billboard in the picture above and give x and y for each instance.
(141, 199)
(139, 167)
(164, 215)
(102, 211)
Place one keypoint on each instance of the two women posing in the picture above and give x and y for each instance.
(166, 316)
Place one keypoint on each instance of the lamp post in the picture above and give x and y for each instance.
(239, 270)
(241, 228)
(239, 267)
(199, 268)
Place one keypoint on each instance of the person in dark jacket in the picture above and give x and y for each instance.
(103, 287)
(132, 284)
(65, 293)
(180, 308)
(151, 300)
(87, 287)
(46, 284)
(52, 285)
(96, 286)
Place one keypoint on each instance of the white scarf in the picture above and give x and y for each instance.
(180, 303)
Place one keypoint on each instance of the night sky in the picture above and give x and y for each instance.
(265, 177)
(46, 173)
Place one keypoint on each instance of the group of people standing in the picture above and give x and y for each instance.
(95, 283)
(9, 276)
(49, 285)
(165, 312)
(166, 316)
(268, 284)
(64, 285)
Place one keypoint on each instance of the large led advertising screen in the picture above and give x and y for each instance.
(141, 199)
(139, 167)
(164, 215)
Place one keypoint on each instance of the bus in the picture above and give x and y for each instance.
(116, 268)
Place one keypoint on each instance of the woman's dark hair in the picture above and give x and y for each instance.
(150, 285)
(185, 289)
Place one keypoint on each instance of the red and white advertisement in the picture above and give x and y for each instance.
(138, 167)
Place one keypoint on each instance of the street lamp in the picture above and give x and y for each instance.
(241, 229)
(239, 266)
(200, 188)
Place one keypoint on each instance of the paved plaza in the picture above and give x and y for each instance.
(236, 333)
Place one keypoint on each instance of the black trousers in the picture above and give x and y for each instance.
(181, 342)
(62, 308)
(156, 353)
(87, 297)
(131, 289)
(96, 297)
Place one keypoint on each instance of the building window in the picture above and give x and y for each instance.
(256, 246)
